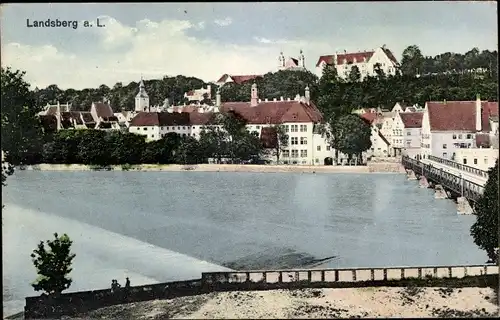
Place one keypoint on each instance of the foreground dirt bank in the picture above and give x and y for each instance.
(313, 303)
(371, 167)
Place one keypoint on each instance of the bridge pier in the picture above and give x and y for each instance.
(463, 206)
(440, 193)
(410, 175)
(423, 183)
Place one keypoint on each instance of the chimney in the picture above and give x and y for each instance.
(217, 98)
(266, 100)
(307, 95)
(297, 97)
(281, 98)
(254, 96)
(287, 99)
(260, 100)
(478, 113)
(58, 116)
(274, 99)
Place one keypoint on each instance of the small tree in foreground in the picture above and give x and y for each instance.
(485, 229)
(53, 264)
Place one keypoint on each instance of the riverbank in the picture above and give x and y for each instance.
(374, 167)
(313, 303)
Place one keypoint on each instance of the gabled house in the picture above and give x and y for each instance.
(380, 144)
(104, 117)
(449, 126)
(412, 133)
(365, 61)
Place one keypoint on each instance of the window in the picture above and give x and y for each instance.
(183, 128)
(459, 136)
(295, 153)
(294, 140)
(152, 136)
(168, 128)
(287, 128)
(408, 133)
(465, 160)
(316, 160)
(286, 153)
(485, 160)
(161, 128)
(318, 148)
(294, 128)
(178, 128)
(444, 146)
(475, 161)
(454, 136)
(303, 128)
(303, 153)
(303, 140)
(327, 148)
(257, 127)
(445, 154)
(469, 136)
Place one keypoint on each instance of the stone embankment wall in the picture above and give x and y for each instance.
(81, 302)
(381, 167)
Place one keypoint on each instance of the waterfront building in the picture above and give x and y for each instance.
(412, 132)
(380, 144)
(365, 61)
(448, 126)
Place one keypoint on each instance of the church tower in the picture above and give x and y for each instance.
(282, 61)
(142, 99)
(302, 60)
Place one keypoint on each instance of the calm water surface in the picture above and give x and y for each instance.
(159, 226)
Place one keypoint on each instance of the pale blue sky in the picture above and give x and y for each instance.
(209, 39)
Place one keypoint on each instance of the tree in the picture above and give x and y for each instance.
(351, 135)
(20, 128)
(281, 141)
(412, 61)
(354, 75)
(485, 229)
(53, 265)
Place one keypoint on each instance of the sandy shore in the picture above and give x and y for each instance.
(313, 303)
(371, 167)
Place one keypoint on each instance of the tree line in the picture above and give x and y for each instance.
(421, 78)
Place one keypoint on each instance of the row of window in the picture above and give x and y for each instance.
(294, 153)
(468, 136)
(295, 128)
(397, 132)
(464, 160)
(295, 140)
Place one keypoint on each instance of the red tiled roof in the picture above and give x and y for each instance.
(75, 115)
(269, 137)
(411, 119)
(239, 79)
(369, 116)
(275, 112)
(483, 140)
(201, 118)
(187, 109)
(103, 109)
(348, 57)
(150, 119)
(459, 115)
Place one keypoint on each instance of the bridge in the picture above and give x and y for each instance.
(450, 179)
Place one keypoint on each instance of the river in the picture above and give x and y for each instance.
(161, 226)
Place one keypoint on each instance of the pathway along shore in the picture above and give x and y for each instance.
(377, 167)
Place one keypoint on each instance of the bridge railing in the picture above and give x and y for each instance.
(459, 166)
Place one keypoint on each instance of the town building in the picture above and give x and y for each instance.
(380, 144)
(365, 61)
(299, 117)
(292, 63)
(141, 99)
(199, 95)
(448, 126)
(480, 158)
(238, 79)
(412, 132)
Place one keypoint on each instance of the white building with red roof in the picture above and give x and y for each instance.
(412, 132)
(198, 95)
(298, 116)
(448, 126)
(365, 61)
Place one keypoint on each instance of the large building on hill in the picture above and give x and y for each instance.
(238, 79)
(292, 63)
(299, 117)
(448, 126)
(365, 61)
